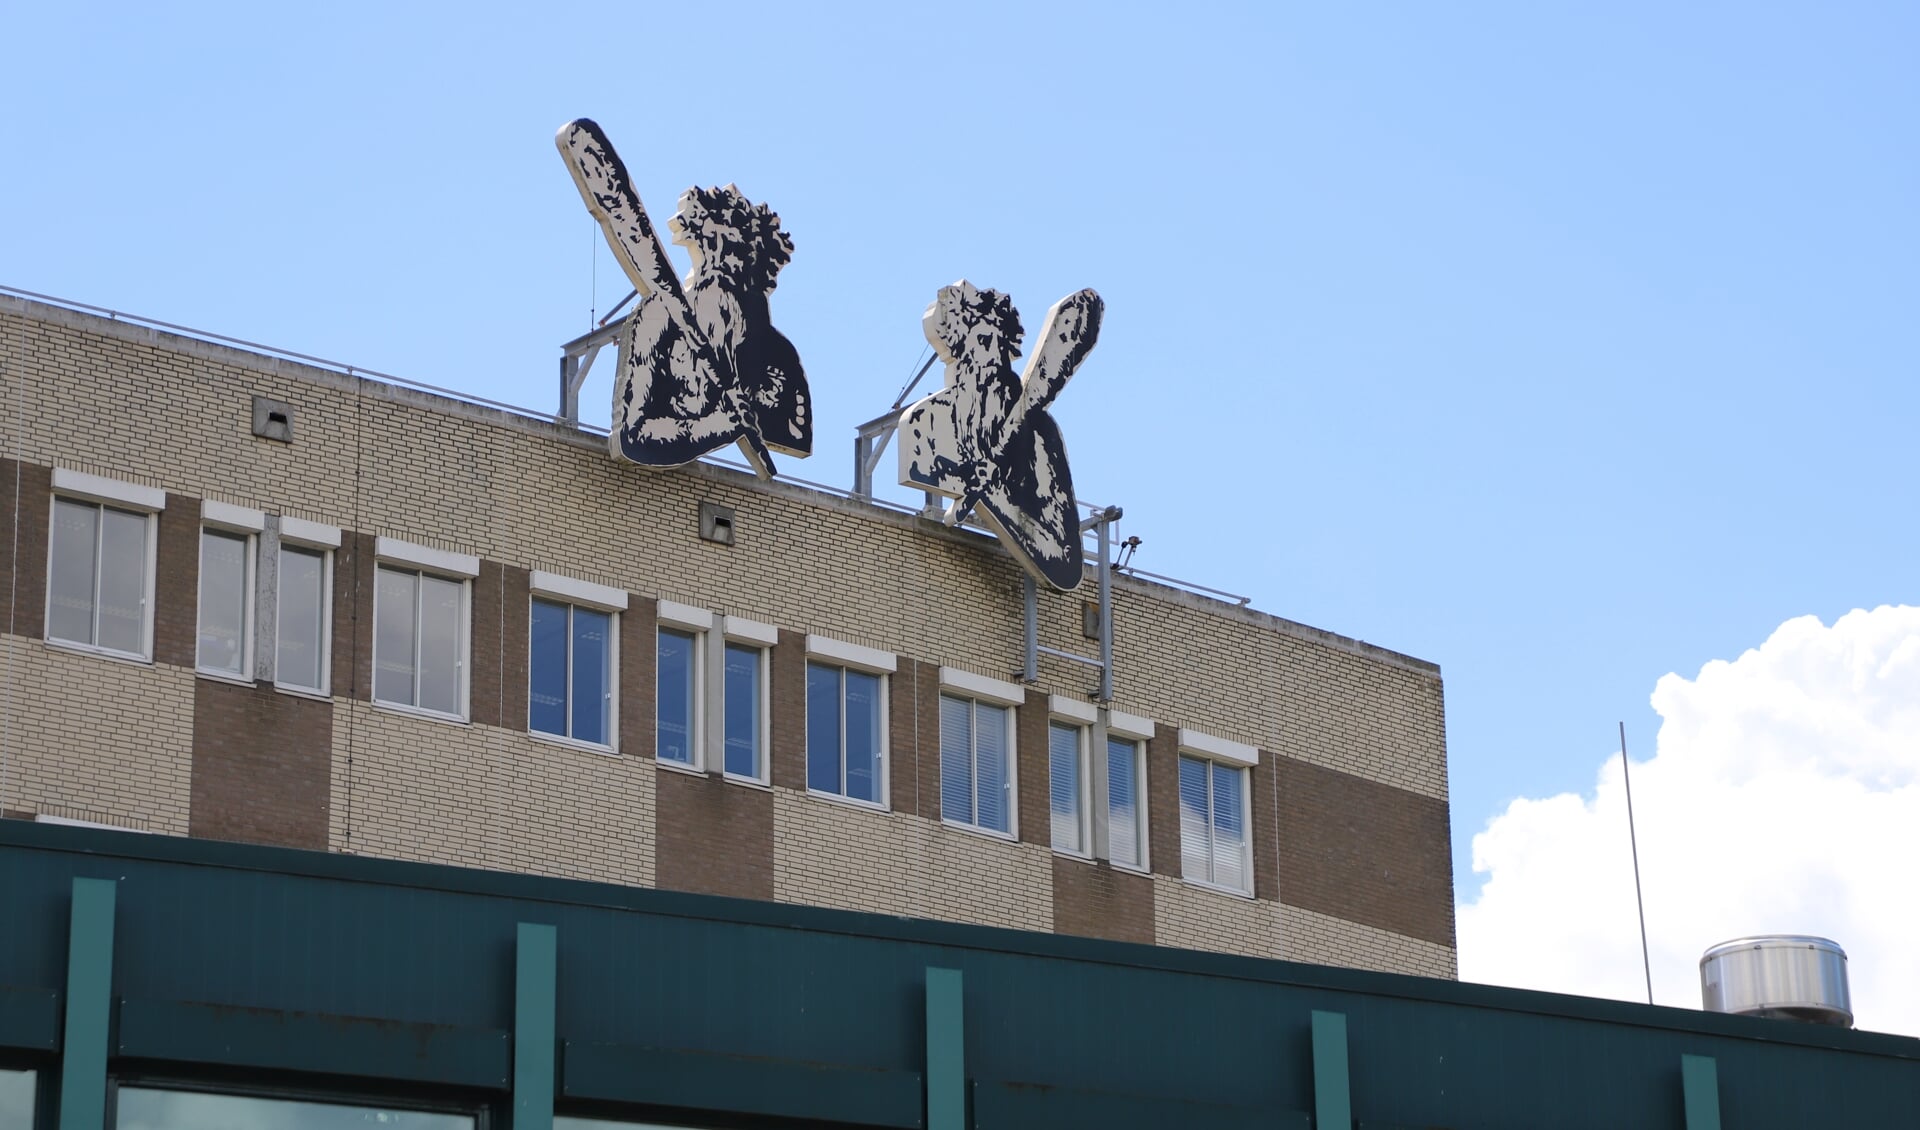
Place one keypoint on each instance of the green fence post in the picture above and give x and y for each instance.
(946, 1052)
(1332, 1101)
(83, 1052)
(535, 959)
(1700, 1084)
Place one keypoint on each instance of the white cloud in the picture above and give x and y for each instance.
(1783, 797)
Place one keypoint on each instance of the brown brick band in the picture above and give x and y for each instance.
(712, 837)
(1101, 901)
(176, 611)
(1363, 851)
(23, 546)
(261, 764)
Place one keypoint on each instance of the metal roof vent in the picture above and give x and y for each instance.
(1780, 976)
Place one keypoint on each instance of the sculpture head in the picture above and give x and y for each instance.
(730, 236)
(976, 328)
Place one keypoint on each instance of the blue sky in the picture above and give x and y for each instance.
(1566, 346)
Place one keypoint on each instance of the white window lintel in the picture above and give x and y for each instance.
(751, 631)
(102, 489)
(853, 655)
(1218, 749)
(426, 557)
(303, 532)
(1129, 725)
(997, 691)
(1077, 709)
(573, 590)
(678, 615)
(213, 512)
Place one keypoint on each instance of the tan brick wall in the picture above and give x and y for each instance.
(381, 459)
(1199, 919)
(827, 853)
(120, 753)
(476, 796)
(1325, 940)
(375, 458)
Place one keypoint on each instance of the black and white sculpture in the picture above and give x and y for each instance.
(986, 438)
(701, 365)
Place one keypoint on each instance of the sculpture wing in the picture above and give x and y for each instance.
(1030, 503)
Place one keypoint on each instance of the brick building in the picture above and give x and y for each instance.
(406, 625)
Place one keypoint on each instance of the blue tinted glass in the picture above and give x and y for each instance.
(1123, 813)
(547, 669)
(991, 787)
(1063, 784)
(592, 673)
(956, 759)
(142, 1108)
(1226, 801)
(823, 728)
(1196, 838)
(674, 736)
(743, 710)
(863, 736)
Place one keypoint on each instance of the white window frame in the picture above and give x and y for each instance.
(686, 620)
(1210, 750)
(231, 521)
(1137, 732)
(967, 686)
(825, 651)
(446, 565)
(760, 637)
(1083, 813)
(573, 593)
(310, 537)
(133, 498)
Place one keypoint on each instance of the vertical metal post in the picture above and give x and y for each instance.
(83, 1054)
(1700, 1088)
(569, 392)
(946, 1051)
(1332, 1096)
(1033, 628)
(1106, 605)
(535, 974)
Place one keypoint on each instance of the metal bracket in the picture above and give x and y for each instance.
(1102, 522)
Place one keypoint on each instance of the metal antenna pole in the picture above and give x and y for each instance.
(1646, 962)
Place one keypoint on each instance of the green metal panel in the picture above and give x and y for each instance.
(1332, 1100)
(533, 1000)
(997, 1106)
(29, 1019)
(1700, 1082)
(352, 1046)
(946, 1051)
(741, 1085)
(83, 1064)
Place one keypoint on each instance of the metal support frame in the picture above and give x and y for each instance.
(1101, 521)
(576, 358)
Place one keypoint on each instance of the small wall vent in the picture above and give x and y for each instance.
(1781, 976)
(716, 523)
(272, 419)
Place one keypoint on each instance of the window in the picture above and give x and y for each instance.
(744, 703)
(976, 755)
(100, 577)
(303, 606)
(1126, 802)
(1215, 847)
(226, 603)
(145, 1108)
(16, 1099)
(847, 720)
(677, 696)
(420, 628)
(1067, 785)
(844, 732)
(570, 672)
